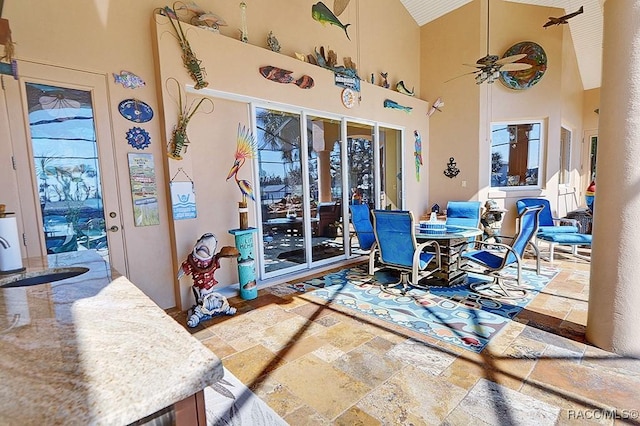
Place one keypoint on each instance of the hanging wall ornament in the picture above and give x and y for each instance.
(189, 59)
(135, 110)
(418, 153)
(451, 171)
(128, 79)
(179, 139)
(138, 138)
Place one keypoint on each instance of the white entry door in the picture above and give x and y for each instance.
(64, 159)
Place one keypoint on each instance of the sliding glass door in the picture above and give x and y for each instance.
(324, 161)
(311, 168)
(282, 197)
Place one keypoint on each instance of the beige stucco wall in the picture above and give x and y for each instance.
(446, 44)
(109, 36)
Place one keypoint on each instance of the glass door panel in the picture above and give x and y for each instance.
(281, 190)
(390, 141)
(360, 172)
(324, 149)
(361, 167)
(63, 148)
(65, 155)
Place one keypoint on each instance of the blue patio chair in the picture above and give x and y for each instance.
(464, 213)
(395, 236)
(493, 262)
(548, 223)
(361, 220)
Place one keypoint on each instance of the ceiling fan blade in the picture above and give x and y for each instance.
(515, 67)
(462, 75)
(510, 59)
(474, 65)
(339, 6)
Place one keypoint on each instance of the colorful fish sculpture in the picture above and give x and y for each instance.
(280, 75)
(128, 79)
(400, 87)
(388, 103)
(321, 13)
(418, 153)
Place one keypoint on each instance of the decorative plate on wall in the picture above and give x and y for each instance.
(348, 97)
(521, 80)
(138, 138)
(135, 110)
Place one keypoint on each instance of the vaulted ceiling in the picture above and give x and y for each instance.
(586, 29)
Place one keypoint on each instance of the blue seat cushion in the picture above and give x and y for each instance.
(485, 258)
(569, 239)
(425, 258)
(557, 229)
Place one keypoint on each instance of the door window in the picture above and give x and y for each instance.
(67, 171)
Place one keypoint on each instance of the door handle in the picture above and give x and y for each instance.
(114, 228)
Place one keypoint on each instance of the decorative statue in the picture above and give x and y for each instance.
(385, 82)
(491, 221)
(202, 264)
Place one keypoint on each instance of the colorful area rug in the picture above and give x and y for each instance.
(454, 315)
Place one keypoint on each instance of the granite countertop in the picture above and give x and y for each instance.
(93, 349)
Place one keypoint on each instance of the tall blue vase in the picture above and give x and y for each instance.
(246, 262)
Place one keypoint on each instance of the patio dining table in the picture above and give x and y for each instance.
(451, 240)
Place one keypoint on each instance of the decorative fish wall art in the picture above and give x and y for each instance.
(128, 79)
(321, 13)
(388, 103)
(400, 87)
(280, 75)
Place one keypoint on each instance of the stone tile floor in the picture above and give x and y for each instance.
(315, 365)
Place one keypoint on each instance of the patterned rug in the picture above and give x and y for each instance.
(452, 314)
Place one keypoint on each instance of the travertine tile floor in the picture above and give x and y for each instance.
(316, 365)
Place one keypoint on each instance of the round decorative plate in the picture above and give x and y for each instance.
(348, 98)
(536, 57)
(138, 138)
(135, 110)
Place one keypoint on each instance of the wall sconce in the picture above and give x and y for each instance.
(452, 171)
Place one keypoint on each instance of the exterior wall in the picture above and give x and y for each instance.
(105, 37)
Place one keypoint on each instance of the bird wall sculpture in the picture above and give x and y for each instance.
(246, 149)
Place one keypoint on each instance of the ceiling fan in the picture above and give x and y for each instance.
(490, 66)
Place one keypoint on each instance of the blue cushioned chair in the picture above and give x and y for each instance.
(493, 262)
(464, 213)
(361, 220)
(395, 236)
(548, 223)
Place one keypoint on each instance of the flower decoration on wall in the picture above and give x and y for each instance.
(138, 138)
